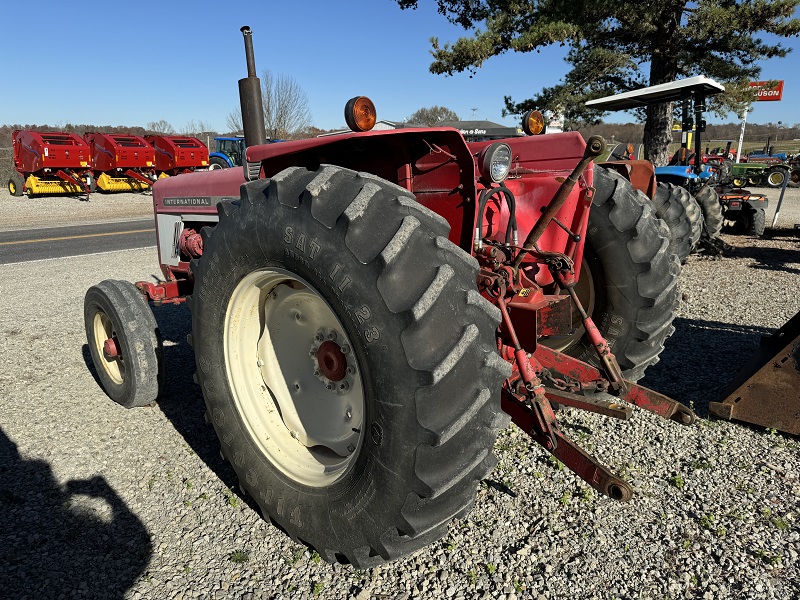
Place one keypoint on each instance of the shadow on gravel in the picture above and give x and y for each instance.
(722, 349)
(181, 399)
(78, 539)
(772, 259)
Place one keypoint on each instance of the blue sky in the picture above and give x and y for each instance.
(120, 63)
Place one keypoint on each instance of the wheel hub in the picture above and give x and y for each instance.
(332, 361)
(111, 348)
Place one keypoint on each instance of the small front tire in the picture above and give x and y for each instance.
(123, 339)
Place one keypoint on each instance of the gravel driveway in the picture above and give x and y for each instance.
(101, 502)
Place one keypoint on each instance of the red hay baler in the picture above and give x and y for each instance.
(369, 309)
(176, 154)
(121, 162)
(49, 163)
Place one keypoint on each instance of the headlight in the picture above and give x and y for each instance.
(496, 162)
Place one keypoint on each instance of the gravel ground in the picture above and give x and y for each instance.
(101, 502)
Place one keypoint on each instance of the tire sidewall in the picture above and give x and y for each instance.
(290, 239)
(95, 302)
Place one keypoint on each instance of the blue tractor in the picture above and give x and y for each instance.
(229, 153)
(684, 169)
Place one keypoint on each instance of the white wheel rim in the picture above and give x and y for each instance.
(309, 426)
(104, 330)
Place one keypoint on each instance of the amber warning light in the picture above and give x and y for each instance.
(359, 114)
(533, 122)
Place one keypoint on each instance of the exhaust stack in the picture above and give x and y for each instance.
(250, 97)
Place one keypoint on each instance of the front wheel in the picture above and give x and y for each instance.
(348, 363)
(739, 182)
(123, 339)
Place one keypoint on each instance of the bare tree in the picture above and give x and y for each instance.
(234, 121)
(286, 111)
(193, 128)
(285, 105)
(160, 126)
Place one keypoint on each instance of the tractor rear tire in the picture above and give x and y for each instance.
(215, 162)
(756, 223)
(15, 184)
(124, 343)
(775, 177)
(695, 215)
(670, 204)
(347, 360)
(725, 170)
(631, 278)
(708, 199)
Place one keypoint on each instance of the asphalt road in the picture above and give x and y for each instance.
(56, 242)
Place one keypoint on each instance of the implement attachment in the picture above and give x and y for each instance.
(766, 391)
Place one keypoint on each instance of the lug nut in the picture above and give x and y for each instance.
(319, 337)
(344, 386)
(332, 335)
(345, 349)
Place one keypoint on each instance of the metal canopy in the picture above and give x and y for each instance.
(658, 94)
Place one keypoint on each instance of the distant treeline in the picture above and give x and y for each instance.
(620, 132)
(633, 132)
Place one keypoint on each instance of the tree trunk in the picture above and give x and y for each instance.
(663, 69)
(658, 122)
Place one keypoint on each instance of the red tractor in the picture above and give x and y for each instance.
(369, 309)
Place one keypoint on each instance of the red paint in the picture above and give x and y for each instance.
(332, 361)
(766, 92)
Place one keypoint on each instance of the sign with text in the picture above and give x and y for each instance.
(768, 92)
